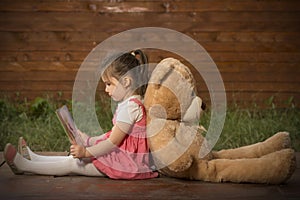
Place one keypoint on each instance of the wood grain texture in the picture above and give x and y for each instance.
(254, 44)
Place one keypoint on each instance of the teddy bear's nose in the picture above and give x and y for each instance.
(203, 106)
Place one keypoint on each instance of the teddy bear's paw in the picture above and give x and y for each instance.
(292, 163)
(286, 140)
(280, 140)
(283, 165)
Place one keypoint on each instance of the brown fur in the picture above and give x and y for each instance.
(175, 144)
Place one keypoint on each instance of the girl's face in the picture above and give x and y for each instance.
(115, 89)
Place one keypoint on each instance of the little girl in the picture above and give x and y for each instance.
(123, 152)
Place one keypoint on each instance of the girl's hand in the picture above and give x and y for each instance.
(78, 151)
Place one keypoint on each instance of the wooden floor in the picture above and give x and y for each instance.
(79, 187)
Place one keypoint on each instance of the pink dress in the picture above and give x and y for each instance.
(131, 159)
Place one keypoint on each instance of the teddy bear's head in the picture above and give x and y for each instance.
(170, 91)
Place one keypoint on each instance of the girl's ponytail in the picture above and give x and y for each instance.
(142, 58)
(142, 76)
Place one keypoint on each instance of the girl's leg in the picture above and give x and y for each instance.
(26, 152)
(41, 158)
(65, 165)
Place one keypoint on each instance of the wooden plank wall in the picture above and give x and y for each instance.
(255, 43)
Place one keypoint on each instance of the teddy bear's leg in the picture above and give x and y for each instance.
(273, 168)
(280, 140)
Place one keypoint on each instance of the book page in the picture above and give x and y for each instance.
(69, 126)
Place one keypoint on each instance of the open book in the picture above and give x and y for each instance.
(69, 126)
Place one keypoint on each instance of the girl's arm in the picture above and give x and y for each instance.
(119, 131)
(92, 140)
(88, 140)
(116, 137)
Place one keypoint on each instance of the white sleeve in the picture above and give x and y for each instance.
(129, 113)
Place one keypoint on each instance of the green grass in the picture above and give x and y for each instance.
(248, 126)
(37, 123)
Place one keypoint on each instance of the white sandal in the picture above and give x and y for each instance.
(22, 148)
(10, 153)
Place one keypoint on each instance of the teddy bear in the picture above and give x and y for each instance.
(175, 136)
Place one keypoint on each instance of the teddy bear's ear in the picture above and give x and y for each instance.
(171, 88)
